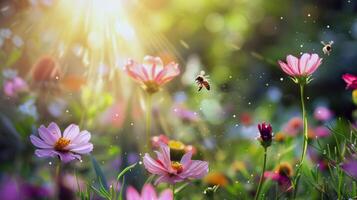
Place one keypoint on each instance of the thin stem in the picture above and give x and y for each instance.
(304, 148)
(148, 120)
(262, 176)
(173, 191)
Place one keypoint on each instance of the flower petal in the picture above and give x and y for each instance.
(133, 69)
(286, 68)
(171, 70)
(165, 150)
(39, 143)
(45, 153)
(166, 195)
(67, 156)
(303, 62)
(148, 192)
(153, 65)
(47, 136)
(81, 148)
(71, 132)
(132, 194)
(186, 159)
(82, 138)
(55, 130)
(197, 169)
(153, 166)
(312, 64)
(293, 64)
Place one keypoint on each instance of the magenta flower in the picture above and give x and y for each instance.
(14, 86)
(351, 81)
(148, 193)
(172, 172)
(152, 74)
(301, 68)
(266, 134)
(67, 147)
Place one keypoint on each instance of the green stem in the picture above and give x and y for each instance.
(173, 191)
(148, 121)
(262, 176)
(304, 148)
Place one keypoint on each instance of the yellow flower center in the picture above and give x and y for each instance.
(61, 144)
(151, 87)
(176, 145)
(177, 166)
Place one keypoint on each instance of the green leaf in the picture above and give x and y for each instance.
(100, 175)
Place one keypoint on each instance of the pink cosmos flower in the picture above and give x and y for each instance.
(148, 193)
(14, 86)
(171, 171)
(67, 147)
(351, 81)
(301, 67)
(152, 74)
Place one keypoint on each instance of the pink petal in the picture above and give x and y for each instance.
(162, 160)
(286, 68)
(165, 150)
(133, 69)
(71, 132)
(47, 136)
(166, 195)
(39, 143)
(132, 194)
(148, 192)
(312, 64)
(293, 64)
(154, 65)
(303, 62)
(186, 159)
(171, 71)
(197, 169)
(153, 166)
(81, 148)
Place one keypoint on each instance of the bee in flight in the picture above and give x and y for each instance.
(327, 47)
(202, 81)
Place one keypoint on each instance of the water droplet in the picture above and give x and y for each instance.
(234, 116)
(281, 79)
(67, 111)
(140, 163)
(328, 26)
(131, 124)
(281, 18)
(309, 15)
(50, 163)
(301, 45)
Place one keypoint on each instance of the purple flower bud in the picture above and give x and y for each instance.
(266, 135)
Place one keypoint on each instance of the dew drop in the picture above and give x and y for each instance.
(49, 163)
